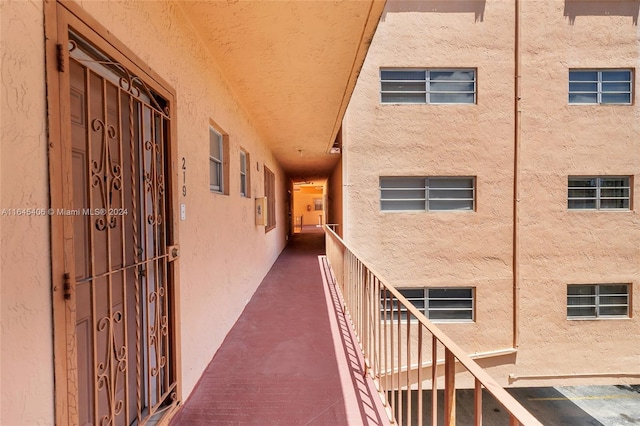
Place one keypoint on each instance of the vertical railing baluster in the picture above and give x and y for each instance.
(449, 387)
(408, 378)
(399, 362)
(386, 340)
(392, 355)
(420, 328)
(477, 403)
(376, 322)
(434, 380)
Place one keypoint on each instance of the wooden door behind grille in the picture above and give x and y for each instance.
(121, 365)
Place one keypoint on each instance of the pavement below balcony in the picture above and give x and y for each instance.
(291, 358)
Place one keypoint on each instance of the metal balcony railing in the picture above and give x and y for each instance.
(399, 342)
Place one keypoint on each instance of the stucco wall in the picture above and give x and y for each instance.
(27, 355)
(224, 255)
(560, 246)
(417, 249)
(556, 247)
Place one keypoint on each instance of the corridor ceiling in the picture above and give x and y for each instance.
(293, 65)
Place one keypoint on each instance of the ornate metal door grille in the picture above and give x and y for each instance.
(119, 164)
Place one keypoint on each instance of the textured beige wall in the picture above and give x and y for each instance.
(560, 247)
(438, 248)
(556, 247)
(219, 238)
(26, 369)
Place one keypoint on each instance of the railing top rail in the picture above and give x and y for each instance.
(508, 401)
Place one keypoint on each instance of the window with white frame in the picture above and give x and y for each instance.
(216, 157)
(419, 193)
(245, 184)
(603, 86)
(428, 86)
(599, 193)
(597, 301)
(446, 304)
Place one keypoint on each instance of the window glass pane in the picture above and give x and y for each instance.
(451, 87)
(450, 205)
(581, 204)
(452, 75)
(583, 87)
(581, 300)
(613, 300)
(214, 175)
(614, 192)
(583, 98)
(215, 144)
(614, 182)
(581, 312)
(616, 98)
(582, 193)
(402, 182)
(402, 74)
(616, 75)
(583, 182)
(584, 290)
(450, 303)
(616, 87)
(614, 311)
(450, 293)
(450, 315)
(408, 86)
(614, 204)
(451, 193)
(243, 163)
(439, 182)
(404, 98)
(583, 75)
(451, 98)
(614, 289)
(404, 194)
(403, 205)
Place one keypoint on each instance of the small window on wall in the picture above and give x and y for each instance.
(446, 304)
(601, 86)
(428, 86)
(218, 153)
(599, 193)
(442, 193)
(270, 193)
(245, 183)
(597, 301)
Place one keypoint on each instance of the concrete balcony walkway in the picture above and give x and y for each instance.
(291, 357)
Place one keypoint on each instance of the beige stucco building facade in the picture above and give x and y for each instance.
(470, 103)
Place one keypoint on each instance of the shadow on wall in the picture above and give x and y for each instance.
(438, 6)
(574, 8)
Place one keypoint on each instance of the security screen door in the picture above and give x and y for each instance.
(122, 343)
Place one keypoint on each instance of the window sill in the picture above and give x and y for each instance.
(599, 318)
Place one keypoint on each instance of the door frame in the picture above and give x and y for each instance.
(59, 15)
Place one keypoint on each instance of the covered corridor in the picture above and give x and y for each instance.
(291, 357)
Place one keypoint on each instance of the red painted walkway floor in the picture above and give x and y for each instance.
(291, 358)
